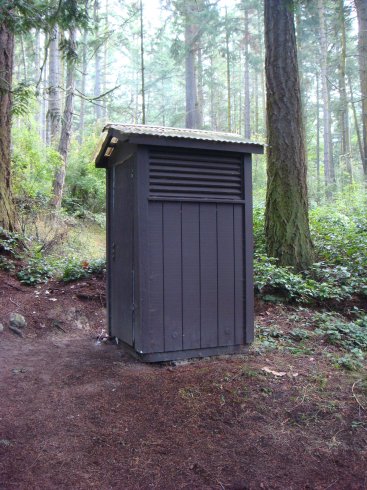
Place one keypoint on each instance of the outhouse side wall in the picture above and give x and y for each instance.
(120, 244)
(193, 277)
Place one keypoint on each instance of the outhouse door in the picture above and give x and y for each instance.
(121, 256)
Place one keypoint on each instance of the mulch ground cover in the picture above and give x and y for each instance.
(77, 413)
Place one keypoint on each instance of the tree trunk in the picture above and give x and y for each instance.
(355, 118)
(97, 62)
(200, 97)
(190, 72)
(256, 92)
(37, 62)
(44, 101)
(83, 86)
(247, 81)
(229, 95)
(361, 6)
(326, 100)
(343, 116)
(54, 100)
(105, 61)
(24, 62)
(213, 113)
(318, 193)
(286, 217)
(7, 213)
(142, 65)
(63, 149)
(261, 48)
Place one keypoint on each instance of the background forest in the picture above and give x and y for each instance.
(131, 63)
(196, 64)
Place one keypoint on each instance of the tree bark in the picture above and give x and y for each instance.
(228, 63)
(355, 118)
(67, 120)
(142, 64)
(213, 113)
(343, 115)
(200, 82)
(328, 173)
(44, 101)
(361, 6)
(7, 212)
(37, 62)
(83, 86)
(97, 62)
(192, 118)
(286, 217)
(105, 61)
(318, 137)
(54, 99)
(247, 80)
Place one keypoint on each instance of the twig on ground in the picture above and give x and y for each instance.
(57, 325)
(355, 396)
(15, 287)
(15, 303)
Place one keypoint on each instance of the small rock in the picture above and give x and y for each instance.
(17, 320)
(1, 328)
(5, 442)
(20, 370)
(16, 330)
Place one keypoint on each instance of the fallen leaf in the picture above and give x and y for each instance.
(270, 371)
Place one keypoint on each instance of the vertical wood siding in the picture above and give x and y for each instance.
(121, 256)
(196, 260)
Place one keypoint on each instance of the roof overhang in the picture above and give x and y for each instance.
(170, 137)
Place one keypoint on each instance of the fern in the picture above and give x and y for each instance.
(23, 94)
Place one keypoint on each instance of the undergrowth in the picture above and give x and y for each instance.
(339, 234)
(342, 341)
(40, 256)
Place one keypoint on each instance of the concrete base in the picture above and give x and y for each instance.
(185, 354)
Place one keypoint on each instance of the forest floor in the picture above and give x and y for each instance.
(80, 414)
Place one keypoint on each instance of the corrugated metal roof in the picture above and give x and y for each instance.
(166, 132)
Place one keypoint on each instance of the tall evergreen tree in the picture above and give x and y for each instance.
(7, 215)
(361, 6)
(287, 227)
(67, 120)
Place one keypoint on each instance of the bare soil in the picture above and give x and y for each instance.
(80, 414)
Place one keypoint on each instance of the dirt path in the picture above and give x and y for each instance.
(80, 415)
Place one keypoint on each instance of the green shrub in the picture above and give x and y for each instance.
(75, 269)
(85, 188)
(6, 264)
(347, 335)
(10, 243)
(339, 232)
(290, 284)
(35, 272)
(33, 163)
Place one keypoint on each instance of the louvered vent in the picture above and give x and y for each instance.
(192, 175)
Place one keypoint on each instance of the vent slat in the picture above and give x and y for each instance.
(196, 177)
(162, 157)
(190, 189)
(192, 170)
(191, 175)
(193, 164)
(170, 183)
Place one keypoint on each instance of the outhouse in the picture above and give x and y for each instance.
(179, 240)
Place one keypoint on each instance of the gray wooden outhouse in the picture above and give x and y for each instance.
(179, 240)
